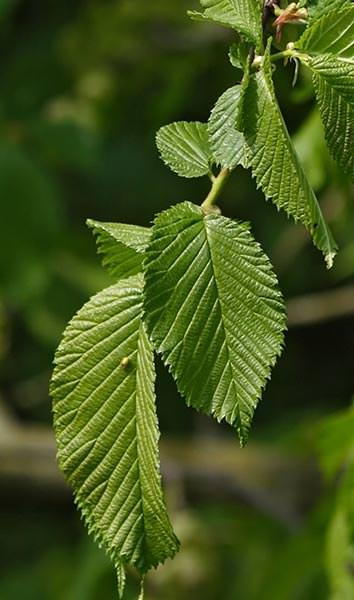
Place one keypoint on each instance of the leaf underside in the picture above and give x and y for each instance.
(245, 16)
(185, 148)
(214, 311)
(106, 427)
(274, 162)
(228, 145)
(121, 246)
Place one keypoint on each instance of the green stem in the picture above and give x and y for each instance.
(216, 188)
(282, 55)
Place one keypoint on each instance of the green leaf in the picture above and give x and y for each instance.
(227, 144)
(274, 162)
(106, 427)
(121, 579)
(340, 556)
(238, 54)
(312, 150)
(335, 441)
(242, 104)
(214, 311)
(245, 16)
(122, 247)
(329, 47)
(184, 147)
(336, 451)
(318, 8)
(334, 86)
(331, 34)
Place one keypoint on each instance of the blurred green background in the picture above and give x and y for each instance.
(84, 87)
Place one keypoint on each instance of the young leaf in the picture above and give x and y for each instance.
(184, 147)
(334, 86)
(106, 427)
(227, 144)
(122, 247)
(245, 16)
(238, 54)
(274, 162)
(214, 311)
(332, 34)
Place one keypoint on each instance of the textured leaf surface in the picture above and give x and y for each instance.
(185, 148)
(334, 85)
(318, 8)
(122, 247)
(214, 311)
(239, 53)
(227, 144)
(275, 164)
(243, 15)
(333, 33)
(312, 149)
(121, 579)
(106, 427)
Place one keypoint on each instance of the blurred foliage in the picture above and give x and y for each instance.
(85, 85)
(336, 451)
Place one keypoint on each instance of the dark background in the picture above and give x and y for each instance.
(84, 87)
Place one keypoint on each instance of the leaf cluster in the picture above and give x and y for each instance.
(196, 287)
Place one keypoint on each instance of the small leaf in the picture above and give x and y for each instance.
(214, 311)
(184, 147)
(238, 54)
(122, 247)
(245, 16)
(332, 34)
(227, 144)
(274, 162)
(106, 427)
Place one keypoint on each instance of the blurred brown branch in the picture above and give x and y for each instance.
(275, 484)
(322, 306)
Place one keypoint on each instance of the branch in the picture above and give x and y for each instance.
(276, 485)
(323, 306)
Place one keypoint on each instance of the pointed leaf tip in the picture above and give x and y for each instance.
(275, 164)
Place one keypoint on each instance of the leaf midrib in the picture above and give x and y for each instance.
(229, 362)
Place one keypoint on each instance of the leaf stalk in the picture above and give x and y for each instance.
(217, 186)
